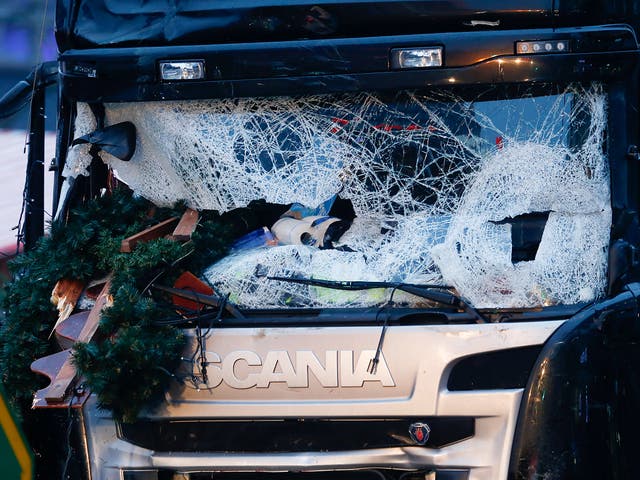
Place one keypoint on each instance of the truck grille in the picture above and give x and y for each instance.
(379, 474)
(291, 435)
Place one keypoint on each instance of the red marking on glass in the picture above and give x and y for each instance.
(387, 127)
(340, 121)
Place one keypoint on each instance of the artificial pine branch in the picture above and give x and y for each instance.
(127, 365)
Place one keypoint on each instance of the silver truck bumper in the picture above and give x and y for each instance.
(484, 456)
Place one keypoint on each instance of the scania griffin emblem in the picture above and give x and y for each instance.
(419, 432)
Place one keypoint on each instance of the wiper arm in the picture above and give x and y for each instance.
(202, 299)
(435, 293)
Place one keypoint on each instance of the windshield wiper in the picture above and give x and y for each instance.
(435, 293)
(202, 299)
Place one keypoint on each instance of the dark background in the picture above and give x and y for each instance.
(25, 43)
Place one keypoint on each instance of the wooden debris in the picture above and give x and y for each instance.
(93, 319)
(65, 295)
(191, 293)
(68, 331)
(151, 233)
(94, 287)
(60, 370)
(81, 327)
(66, 290)
(59, 367)
(189, 282)
(186, 226)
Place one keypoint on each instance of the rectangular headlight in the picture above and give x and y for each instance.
(542, 46)
(416, 57)
(182, 70)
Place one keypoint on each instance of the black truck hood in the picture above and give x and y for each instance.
(84, 24)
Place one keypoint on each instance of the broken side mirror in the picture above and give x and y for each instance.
(118, 140)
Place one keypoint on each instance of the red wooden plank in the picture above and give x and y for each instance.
(186, 226)
(189, 282)
(151, 233)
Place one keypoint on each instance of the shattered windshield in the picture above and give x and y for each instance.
(504, 197)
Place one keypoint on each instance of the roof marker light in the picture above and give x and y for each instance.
(544, 46)
(416, 57)
(182, 70)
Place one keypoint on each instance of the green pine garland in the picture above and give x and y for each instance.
(127, 364)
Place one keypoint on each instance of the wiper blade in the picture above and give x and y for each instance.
(435, 293)
(354, 284)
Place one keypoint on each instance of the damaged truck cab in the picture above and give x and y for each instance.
(438, 278)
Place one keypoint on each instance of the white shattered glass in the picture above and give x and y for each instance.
(78, 159)
(433, 180)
